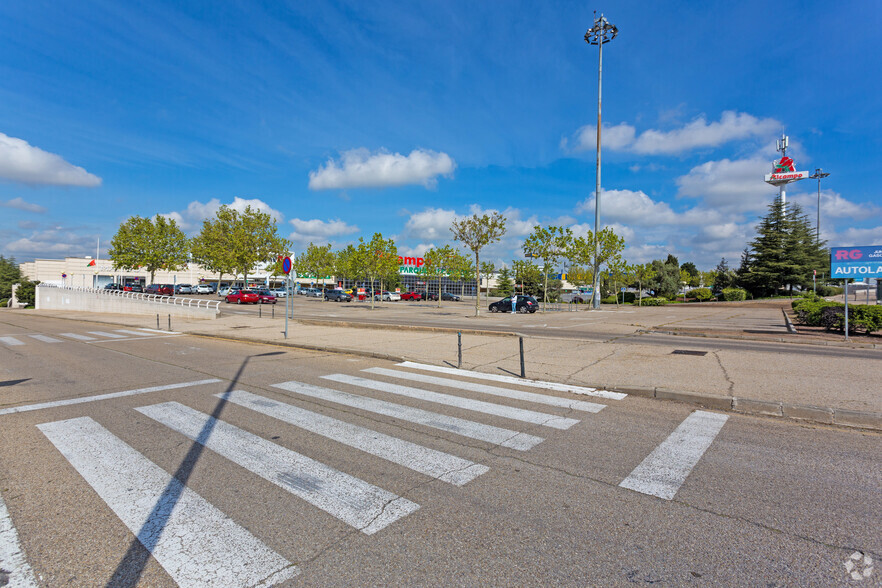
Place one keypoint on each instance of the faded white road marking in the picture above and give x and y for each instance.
(135, 333)
(495, 391)
(496, 435)
(353, 501)
(45, 338)
(509, 412)
(515, 381)
(70, 401)
(106, 334)
(193, 541)
(666, 468)
(78, 336)
(158, 331)
(12, 560)
(443, 466)
(10, 341)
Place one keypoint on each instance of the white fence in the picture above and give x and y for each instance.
(51, 297)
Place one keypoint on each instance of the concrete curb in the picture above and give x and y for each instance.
(706, 335)
(815, 414)
(387, 327)
(790, 327)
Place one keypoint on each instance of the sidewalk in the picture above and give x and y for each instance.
(838, 390)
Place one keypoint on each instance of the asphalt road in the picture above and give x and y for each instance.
(581, 325)
(131, 490)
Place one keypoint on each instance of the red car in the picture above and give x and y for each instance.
(242, 297)
(265, 296)
(411, 295)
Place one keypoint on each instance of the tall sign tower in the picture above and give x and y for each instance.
(783, 171)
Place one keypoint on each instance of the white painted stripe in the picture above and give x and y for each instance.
(438, 465)
(495, 435)
(509, 412)
(70, 401)
(78, 336)
(353, 501)
(193, 541)
(515, 381)
(106, 334)
(12, 559)
(135, 333)
(45, 338)
(158, 331)
(495, 391)
(666, 468)
(10, 341)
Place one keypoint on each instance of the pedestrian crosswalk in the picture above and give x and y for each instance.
(194, 540)
(86, 337)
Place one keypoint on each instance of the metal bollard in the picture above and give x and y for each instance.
(459, 349)
(157, 322)
(169, 322)
(523, 372)
(273, 311)
(259, 310)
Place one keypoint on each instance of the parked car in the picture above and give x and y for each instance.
(242, 296)
(265, 296)
(279, 292)
(205, 289)
(524, 304)
(413, 296)
(183, 289)
(314, 293)
(337, 296)
(113, 286)
(223, 290)
(387, 296)
(160, 289)
(134, 288)
(444, 296)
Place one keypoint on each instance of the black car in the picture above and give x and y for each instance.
(113, 287)
(523, 305)
(337, 296)
(444, 296)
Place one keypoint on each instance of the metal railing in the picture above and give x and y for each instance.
(153, 298)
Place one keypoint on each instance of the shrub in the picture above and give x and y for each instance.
(829, 290)
(810, 312)
(657, 301)
(700, 294)
(4, 302)
(608, 300)
(734, 294)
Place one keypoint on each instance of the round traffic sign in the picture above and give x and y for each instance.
(286, 265)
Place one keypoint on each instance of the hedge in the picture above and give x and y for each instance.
(831, 315)
(734, 294)
(654, 301)
(700, 294)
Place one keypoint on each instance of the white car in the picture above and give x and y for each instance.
(390, 296)
(279, 292)
(204, 289)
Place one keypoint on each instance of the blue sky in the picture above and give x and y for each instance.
(344, 119)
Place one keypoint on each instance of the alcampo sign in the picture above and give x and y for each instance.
(785, 172)
(411, 266)
(856, 262)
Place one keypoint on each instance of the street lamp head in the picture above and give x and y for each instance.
(602, 31)
(819, 173)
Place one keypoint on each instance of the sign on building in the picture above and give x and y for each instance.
(856, 262)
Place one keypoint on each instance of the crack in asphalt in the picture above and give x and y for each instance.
(731, 390)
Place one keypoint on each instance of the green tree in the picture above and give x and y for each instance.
(211, 248)
(10, 274)
(581, 251)
(254, 239)
(317, 261)
(619, 273)
(784, 252)
(154, 244)
(504, 285)
(463, 270)
(550, 244)
(438, 263)
(528, 277)
(580, 276)
(723, 276)
(643, 274)
(375, 260)
(476, 232)
(666, 282)
(487, 270)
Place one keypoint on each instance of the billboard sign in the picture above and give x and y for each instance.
(784, 172)
(856, 262)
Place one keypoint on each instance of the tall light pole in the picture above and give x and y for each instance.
(819, 174)
(602, 31)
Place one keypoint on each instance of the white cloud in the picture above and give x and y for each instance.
(636, 208)
(20, 204)
(431, 223)
(54, 243)
(24, 163)
(190, 219)
(318, 231)
(833, 205)
(732, 185)
(694, 135)
(359, 168)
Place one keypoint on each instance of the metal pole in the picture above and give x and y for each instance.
(169, 322)
(459, 349)
(846, 309)
(157, 322)
(596, 302)
(521, 342)
(287, 301)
